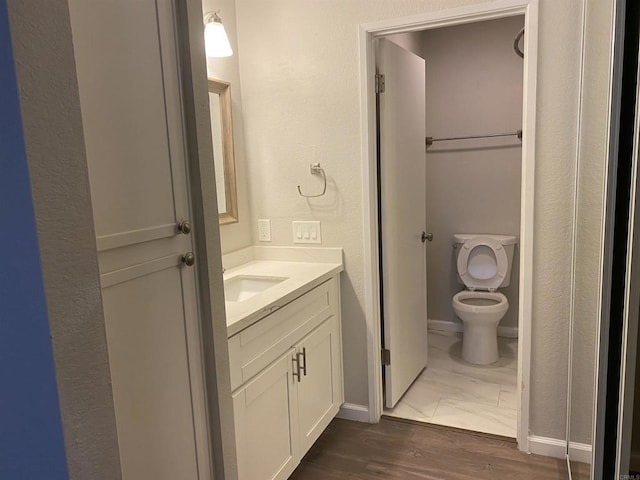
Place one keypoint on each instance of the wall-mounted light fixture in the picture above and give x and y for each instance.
(216, 42)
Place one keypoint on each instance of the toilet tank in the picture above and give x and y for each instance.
(507, 241)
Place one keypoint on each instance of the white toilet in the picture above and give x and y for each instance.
(484, 265)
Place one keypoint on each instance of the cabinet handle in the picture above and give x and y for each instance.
(184, 227)
(304, 357)
(296, 367)
(188, 259)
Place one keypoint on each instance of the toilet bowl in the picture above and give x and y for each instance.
(484, 265)
(480, 313)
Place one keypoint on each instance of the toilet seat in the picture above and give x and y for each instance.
(477, 271)
(463, 302)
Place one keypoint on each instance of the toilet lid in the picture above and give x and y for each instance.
(482, 263)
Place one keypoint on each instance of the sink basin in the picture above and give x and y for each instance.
(242, 287)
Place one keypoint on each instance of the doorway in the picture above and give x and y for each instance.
(370, 35)
(461, 88)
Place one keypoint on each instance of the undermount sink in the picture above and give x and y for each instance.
(242, 287)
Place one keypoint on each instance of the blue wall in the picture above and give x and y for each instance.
(31, 443)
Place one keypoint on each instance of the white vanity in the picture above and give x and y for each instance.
(285, 353)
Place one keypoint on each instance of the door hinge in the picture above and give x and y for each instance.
(386, 356)
(379, 83)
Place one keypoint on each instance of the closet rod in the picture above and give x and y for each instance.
(517, 133)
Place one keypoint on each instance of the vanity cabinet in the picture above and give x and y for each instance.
(286, 372)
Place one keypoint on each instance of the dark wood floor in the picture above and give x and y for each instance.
(394, 449)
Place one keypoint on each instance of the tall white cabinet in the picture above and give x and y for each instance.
(129, 82)
(286, 373)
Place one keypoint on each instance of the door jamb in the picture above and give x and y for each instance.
(206, 241)
(449, 17)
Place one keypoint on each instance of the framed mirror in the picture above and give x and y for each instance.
(223, 156)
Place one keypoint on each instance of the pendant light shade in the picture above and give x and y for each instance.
(216, 41)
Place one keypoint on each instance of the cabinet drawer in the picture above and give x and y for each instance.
(257, 346)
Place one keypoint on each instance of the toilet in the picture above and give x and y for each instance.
(484, 265)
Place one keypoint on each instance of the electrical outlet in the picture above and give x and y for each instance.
(306, 232)
(264, 230)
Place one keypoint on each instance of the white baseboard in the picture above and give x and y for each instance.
(580, 452)
(444, 326)
(352, 411)
(456, 327)
(552, 447)
(548, 447)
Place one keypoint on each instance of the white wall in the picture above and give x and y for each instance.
(234, 236)
(474, 87)
(589, 214)
(411, 41)
(54, 141)
(301, 87)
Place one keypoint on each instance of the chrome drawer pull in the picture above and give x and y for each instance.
(296, 367)
(304, 357)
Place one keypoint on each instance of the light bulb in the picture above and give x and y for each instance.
(216, 41)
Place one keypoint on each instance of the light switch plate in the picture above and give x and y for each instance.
(306, 232)
(264, 230)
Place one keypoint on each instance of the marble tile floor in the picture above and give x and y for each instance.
(458, 394)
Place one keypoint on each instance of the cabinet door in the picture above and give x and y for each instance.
(133, 127)
(320, 385)
(265, 423)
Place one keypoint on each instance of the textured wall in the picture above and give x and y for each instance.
(300, 86)
(54, 142)
(31, 442)
(589, 214)
(239, 235)
(558, 73)
(474, 87)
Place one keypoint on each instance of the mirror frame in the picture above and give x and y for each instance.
(223, 89)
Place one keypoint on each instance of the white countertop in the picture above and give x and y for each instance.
(301, 276)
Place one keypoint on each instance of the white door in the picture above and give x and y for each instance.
(128, 76)
(403, 216)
